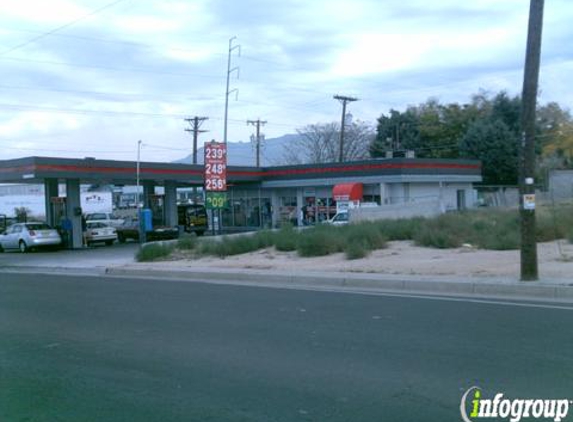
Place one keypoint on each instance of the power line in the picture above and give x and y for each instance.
(116, 69)
(59, 28)
(112, 41)
(343, 99)
(112, 113)
(257, 123)
(111, 94)
(196, 124)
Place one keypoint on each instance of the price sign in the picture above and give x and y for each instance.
(215, 167)
(215, 200)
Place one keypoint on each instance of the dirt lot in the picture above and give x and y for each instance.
(555, 261)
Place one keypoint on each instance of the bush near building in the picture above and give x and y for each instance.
(154, 252)
(484, 229)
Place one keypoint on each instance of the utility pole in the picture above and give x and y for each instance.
(195, 123)
(343, 99)
(257, 124)
(529, 270)
(227, 92)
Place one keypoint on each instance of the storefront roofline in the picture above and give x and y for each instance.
(37, 169)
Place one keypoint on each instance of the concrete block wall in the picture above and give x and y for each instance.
(428, 208)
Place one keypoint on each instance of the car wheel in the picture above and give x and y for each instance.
(22, 246)
(109, 242)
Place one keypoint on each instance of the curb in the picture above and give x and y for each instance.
(343, 282)
(372, 283)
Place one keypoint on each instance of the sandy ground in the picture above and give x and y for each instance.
(555, 261)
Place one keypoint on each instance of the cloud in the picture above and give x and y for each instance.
(41, 12)
(138, 67)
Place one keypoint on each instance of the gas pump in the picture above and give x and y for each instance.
(57, 211)
(157, 205)
(58, 218)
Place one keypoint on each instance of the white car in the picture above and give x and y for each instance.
(339, 219)
(104, 217)
(99, 232)
(28, 236)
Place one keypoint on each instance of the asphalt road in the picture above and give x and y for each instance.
(103, 349)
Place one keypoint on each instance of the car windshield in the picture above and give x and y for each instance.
(95, 225)
(38, 226)
(99, 216)
(343, 216)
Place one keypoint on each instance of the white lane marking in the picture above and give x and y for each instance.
(482, 301)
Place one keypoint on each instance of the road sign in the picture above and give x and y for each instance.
(215, 166)
(215, 200)
(529, 202)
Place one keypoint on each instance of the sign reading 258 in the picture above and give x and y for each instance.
(215, 167)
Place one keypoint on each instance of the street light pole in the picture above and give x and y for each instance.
(142, 237)
(137, 175)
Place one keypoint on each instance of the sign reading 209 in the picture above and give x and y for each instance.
(215, 167)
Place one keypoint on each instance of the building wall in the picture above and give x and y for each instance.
(424, 208)
(561, 185)
(409, 200)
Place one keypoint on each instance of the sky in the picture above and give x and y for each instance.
(83, 78)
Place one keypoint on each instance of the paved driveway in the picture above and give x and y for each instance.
(98, 256)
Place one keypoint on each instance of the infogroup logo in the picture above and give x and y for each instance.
(512, 409)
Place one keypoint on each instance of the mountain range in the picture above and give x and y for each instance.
(243, 153)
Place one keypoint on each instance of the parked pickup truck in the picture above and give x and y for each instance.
(130, 230)
(106, 218)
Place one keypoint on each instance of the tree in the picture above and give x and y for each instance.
(555, 128)
(21, 214)
(496, 146)
(431, 130)
(397, 131)
(435, 130)
(320, 143)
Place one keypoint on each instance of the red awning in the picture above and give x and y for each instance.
(347, 192)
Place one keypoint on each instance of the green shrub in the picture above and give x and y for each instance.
(242, 244)
(553, 223)
(320, 241)
(236, 245)
(356, 249)
(368, 234)
(187, 243)
(501, 241)
(285, 239)
(401, 229)
(436, 238)
(213, 248)
(444, 231)
(496, 230)
(154, 252)
(264, 239)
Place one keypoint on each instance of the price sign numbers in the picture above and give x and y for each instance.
(215, 167)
